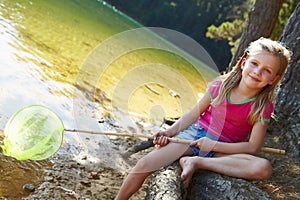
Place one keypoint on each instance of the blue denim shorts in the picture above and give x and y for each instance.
(195, 132)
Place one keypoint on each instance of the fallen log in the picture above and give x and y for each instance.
(166, 184)
(212, 186)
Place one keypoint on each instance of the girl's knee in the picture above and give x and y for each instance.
(143, 166)
(262, 169)
(140, 165)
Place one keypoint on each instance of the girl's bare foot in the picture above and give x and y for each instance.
(188, 165)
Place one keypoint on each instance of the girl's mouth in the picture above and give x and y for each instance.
(254, 78)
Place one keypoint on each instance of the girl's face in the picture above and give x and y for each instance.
(260, 70)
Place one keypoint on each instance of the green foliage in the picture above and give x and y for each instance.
(226, 30)
(286, 10)
(230, 31)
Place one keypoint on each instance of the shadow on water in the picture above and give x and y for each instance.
(43, 45)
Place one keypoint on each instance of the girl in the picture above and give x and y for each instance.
(235, 106)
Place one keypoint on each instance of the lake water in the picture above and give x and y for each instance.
(87, 61)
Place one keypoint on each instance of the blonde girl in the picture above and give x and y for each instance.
(236, 106)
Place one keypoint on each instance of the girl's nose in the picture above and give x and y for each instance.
(258, 70)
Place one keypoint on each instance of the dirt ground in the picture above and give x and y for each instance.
(285, 180)
(99, 176)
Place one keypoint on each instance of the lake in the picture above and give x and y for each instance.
(87, 61)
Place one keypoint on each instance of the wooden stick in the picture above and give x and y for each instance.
(112, 134)
(176, 140)
(273, 150)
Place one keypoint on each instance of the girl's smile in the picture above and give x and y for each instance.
(254, 78)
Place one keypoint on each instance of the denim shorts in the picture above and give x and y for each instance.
(195, 132)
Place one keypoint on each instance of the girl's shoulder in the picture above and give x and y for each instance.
(215, 83)
(270, 107)
(213, 88)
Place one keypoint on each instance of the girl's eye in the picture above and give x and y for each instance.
(254, 63)
(268, 71)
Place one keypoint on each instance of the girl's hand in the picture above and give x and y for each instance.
(161, 138)
(204, 143)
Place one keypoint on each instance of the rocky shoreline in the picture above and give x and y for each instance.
(97, 172)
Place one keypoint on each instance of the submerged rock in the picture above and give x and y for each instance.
(166, 184)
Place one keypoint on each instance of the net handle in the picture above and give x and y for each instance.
(176, 140)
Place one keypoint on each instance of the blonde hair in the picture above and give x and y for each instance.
(233, 78)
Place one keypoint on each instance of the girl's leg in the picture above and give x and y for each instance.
(236, 165)
(148, 164)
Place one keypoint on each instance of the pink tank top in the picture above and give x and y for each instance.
(229, 121)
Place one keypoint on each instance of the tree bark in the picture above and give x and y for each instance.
(261, 22)
(166, 184)
(288, 96)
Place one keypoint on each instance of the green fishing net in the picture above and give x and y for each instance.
(33, 133)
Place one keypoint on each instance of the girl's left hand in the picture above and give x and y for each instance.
(204, 143)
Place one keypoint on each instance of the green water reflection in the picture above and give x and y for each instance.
(58, 35)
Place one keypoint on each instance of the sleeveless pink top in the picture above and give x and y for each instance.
(229, 120)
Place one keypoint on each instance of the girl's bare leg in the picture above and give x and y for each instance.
(236, 165)
(148, 164)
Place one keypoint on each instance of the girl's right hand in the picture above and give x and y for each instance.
(161, 138)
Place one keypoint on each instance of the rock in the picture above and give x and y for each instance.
(139, 147)
(29, 187)
(94, 175)
(86, 183)
(48, 178)
(166, 184)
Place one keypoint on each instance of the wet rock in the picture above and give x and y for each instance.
(166, 184)
(29, 187)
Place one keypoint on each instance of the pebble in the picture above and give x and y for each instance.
(49, 178)
(29, 187)
(86, 183)
(94, 175)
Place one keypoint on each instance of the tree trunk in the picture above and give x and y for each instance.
(261, 21)
(288, 96)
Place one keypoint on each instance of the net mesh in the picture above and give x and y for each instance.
(33, 133)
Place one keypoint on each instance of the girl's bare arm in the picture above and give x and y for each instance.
(190, 117)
